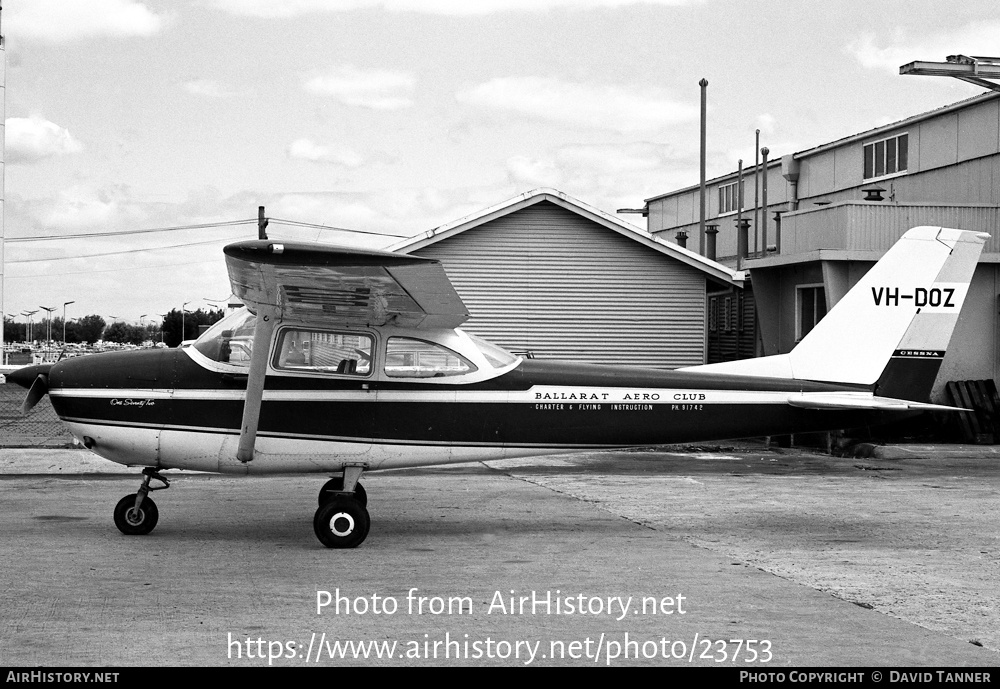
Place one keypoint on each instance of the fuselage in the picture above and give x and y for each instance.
(175, 408)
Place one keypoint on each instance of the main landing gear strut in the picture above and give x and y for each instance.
(342, 518)
(136, 514)
(341, 521)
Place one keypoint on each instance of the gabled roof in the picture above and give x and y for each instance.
(711, 268)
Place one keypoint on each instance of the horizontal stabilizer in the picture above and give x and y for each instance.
(861, 401)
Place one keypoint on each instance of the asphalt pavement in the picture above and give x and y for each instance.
(722, 556)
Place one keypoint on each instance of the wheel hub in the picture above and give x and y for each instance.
(342, 524)
(134, 516)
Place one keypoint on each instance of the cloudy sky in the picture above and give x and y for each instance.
(395, 116)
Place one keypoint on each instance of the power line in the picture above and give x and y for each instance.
(110, 270)
(296, 223)
(98, 235)
(123, 251)
(201, 226)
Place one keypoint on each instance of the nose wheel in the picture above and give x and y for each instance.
(136, 514)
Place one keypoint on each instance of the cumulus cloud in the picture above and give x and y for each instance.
(65, 20)
(889, 54)
(30, 139)
(82, 207)
(584, 105)
(291, 8)
(376, 89)
(607, 176)
(306, 149)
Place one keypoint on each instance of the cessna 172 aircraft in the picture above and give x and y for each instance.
(347, 361)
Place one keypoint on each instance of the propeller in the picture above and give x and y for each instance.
(36, 379)
(35, 393)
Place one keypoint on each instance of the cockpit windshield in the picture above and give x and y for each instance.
(230, 340)
(497, 356)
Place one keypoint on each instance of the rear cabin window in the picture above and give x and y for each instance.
(325, 352)
(409, 358)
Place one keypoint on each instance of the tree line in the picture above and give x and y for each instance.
(92, 328)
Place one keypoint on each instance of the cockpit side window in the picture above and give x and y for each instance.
(409, 358)
(325, 352)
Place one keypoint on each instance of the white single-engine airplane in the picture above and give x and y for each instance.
(347, 361)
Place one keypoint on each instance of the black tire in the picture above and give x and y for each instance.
(132, 524)
(335, 485)
(341, 522)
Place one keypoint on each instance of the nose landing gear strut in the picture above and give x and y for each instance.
(136, 514)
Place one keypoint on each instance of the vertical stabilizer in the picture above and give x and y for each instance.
(893, 326)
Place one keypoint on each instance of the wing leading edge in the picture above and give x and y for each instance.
(328, 285)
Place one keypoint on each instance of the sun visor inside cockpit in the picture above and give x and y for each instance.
(321, 284)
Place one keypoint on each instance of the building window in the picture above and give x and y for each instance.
(728, 198)
(886, 157)
(810, 307)
(727, 315)
(713, 314)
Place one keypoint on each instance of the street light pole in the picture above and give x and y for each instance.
(183, 329)
(28, 315)
(48, 327)
(64, 320)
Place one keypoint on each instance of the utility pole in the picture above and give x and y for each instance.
(261, 223)
(756, 191)
(702, 195)
(3, 117)
(763, 192)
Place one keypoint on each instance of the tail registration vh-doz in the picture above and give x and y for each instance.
(347, 361)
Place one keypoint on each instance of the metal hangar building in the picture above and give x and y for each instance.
(545, 274)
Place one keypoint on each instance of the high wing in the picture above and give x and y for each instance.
(333, 286)
(326, 285)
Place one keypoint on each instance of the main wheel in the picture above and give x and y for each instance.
(341, 522)
(335, 485)
(133, 522)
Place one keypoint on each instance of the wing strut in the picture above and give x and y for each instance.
(267, 318)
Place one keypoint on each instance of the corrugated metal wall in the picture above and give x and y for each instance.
(547, 280)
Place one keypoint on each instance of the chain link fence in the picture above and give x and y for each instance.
(38, 428)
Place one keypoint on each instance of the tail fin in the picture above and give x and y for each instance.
(893, 327)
